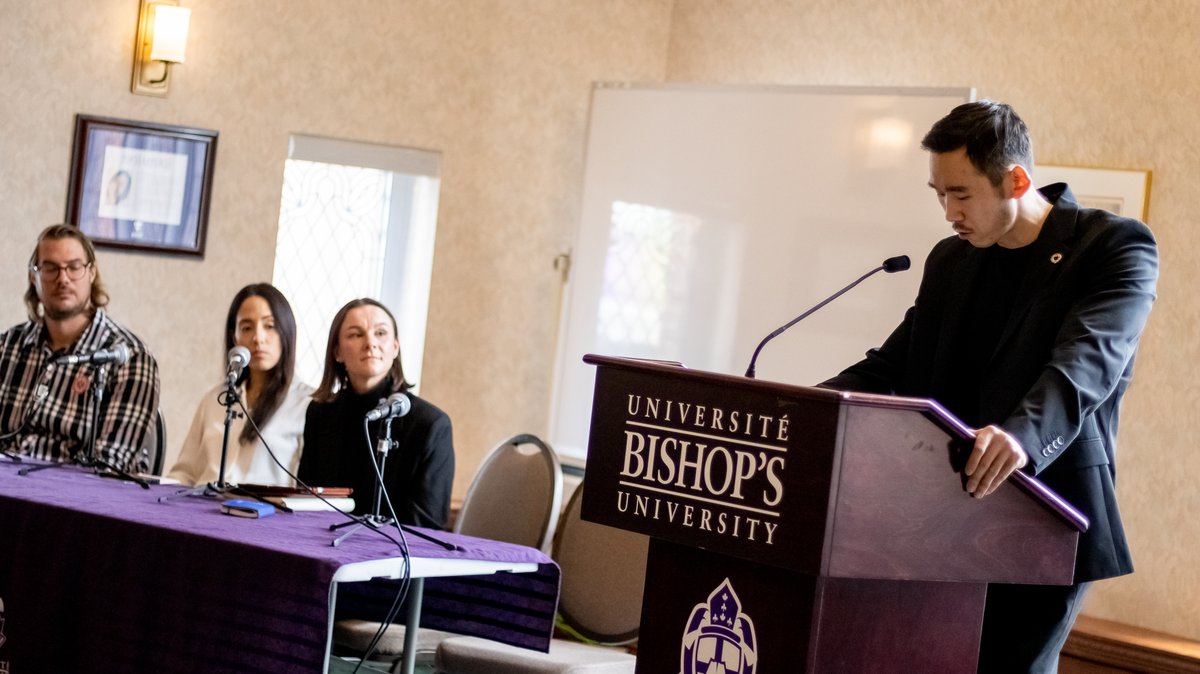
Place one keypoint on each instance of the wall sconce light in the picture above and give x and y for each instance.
(161, 41)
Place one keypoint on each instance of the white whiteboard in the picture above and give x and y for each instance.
(713, 215)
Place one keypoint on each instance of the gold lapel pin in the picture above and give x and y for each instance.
(1056, 258)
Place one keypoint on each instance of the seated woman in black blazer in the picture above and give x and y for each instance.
(362, 366)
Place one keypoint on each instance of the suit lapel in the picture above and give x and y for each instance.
(1049, 252)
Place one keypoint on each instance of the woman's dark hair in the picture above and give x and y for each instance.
(335, 377)
(994, 136)
(279, 378)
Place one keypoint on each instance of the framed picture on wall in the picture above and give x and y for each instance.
(1121, 191)
(140, 185)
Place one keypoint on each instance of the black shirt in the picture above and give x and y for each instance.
(1001, 272)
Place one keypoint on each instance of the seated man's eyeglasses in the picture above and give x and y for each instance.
(49, 271)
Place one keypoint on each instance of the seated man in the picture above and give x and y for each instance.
(45, 402)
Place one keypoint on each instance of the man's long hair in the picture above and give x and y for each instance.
(33, 303)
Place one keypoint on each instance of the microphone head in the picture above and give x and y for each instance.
(239, 356)
(895, 264)
(401, 404)
(121, 354)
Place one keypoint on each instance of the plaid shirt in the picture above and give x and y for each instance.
(45, 408)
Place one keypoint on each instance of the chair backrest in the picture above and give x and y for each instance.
(516, 494)
(603, 576)
(154, 447)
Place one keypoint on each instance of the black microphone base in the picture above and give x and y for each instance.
(220, 490)
(378, 522)
(97, 466)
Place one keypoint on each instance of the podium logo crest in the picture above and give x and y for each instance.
(719, 638)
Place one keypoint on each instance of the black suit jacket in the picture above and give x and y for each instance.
(418, 472)
(1063, 362)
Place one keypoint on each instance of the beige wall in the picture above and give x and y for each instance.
(1102, 83)
(500, 87)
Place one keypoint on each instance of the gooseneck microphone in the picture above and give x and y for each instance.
(395, 405)
(239, 358)
(890, 265)
(118, 355)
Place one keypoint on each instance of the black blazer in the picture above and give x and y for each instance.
(1063, 362)
(418, 472)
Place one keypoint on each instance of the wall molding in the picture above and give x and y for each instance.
(1098, 645)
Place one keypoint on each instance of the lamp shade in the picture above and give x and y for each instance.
(170, 33)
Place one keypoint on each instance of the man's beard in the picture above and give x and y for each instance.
(65, 313)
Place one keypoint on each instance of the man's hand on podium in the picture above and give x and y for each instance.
(994, 457)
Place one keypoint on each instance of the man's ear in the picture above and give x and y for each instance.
(1021, 183)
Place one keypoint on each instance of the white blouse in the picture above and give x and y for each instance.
(200, 458)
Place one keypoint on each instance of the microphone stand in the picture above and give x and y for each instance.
(229, 399)
(778, 331)
(90, 457)
(375, 519)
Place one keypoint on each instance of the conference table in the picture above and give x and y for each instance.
(97, 575)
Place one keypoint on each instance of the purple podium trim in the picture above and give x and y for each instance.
(97, 575)
(953, 425)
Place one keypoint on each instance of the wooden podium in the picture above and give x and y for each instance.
(799, 529)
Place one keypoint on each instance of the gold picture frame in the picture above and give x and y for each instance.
(1121, 191)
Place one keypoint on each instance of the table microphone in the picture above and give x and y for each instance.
(395, 405)
(239, 358)
(119, 355)
(890, 265)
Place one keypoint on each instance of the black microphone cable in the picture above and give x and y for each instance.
(38, 399)
(304, 486)
(401, 544)
(405, 580)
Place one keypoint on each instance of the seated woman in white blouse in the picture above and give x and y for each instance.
(261, 320)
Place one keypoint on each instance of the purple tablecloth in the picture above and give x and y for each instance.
(97, 575)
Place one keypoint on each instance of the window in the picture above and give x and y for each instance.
(648, 265)
(356, 220)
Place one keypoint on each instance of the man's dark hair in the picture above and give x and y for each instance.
(994, 136)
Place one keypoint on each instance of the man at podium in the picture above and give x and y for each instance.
(1025, 326)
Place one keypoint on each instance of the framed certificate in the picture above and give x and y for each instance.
(140, 185)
